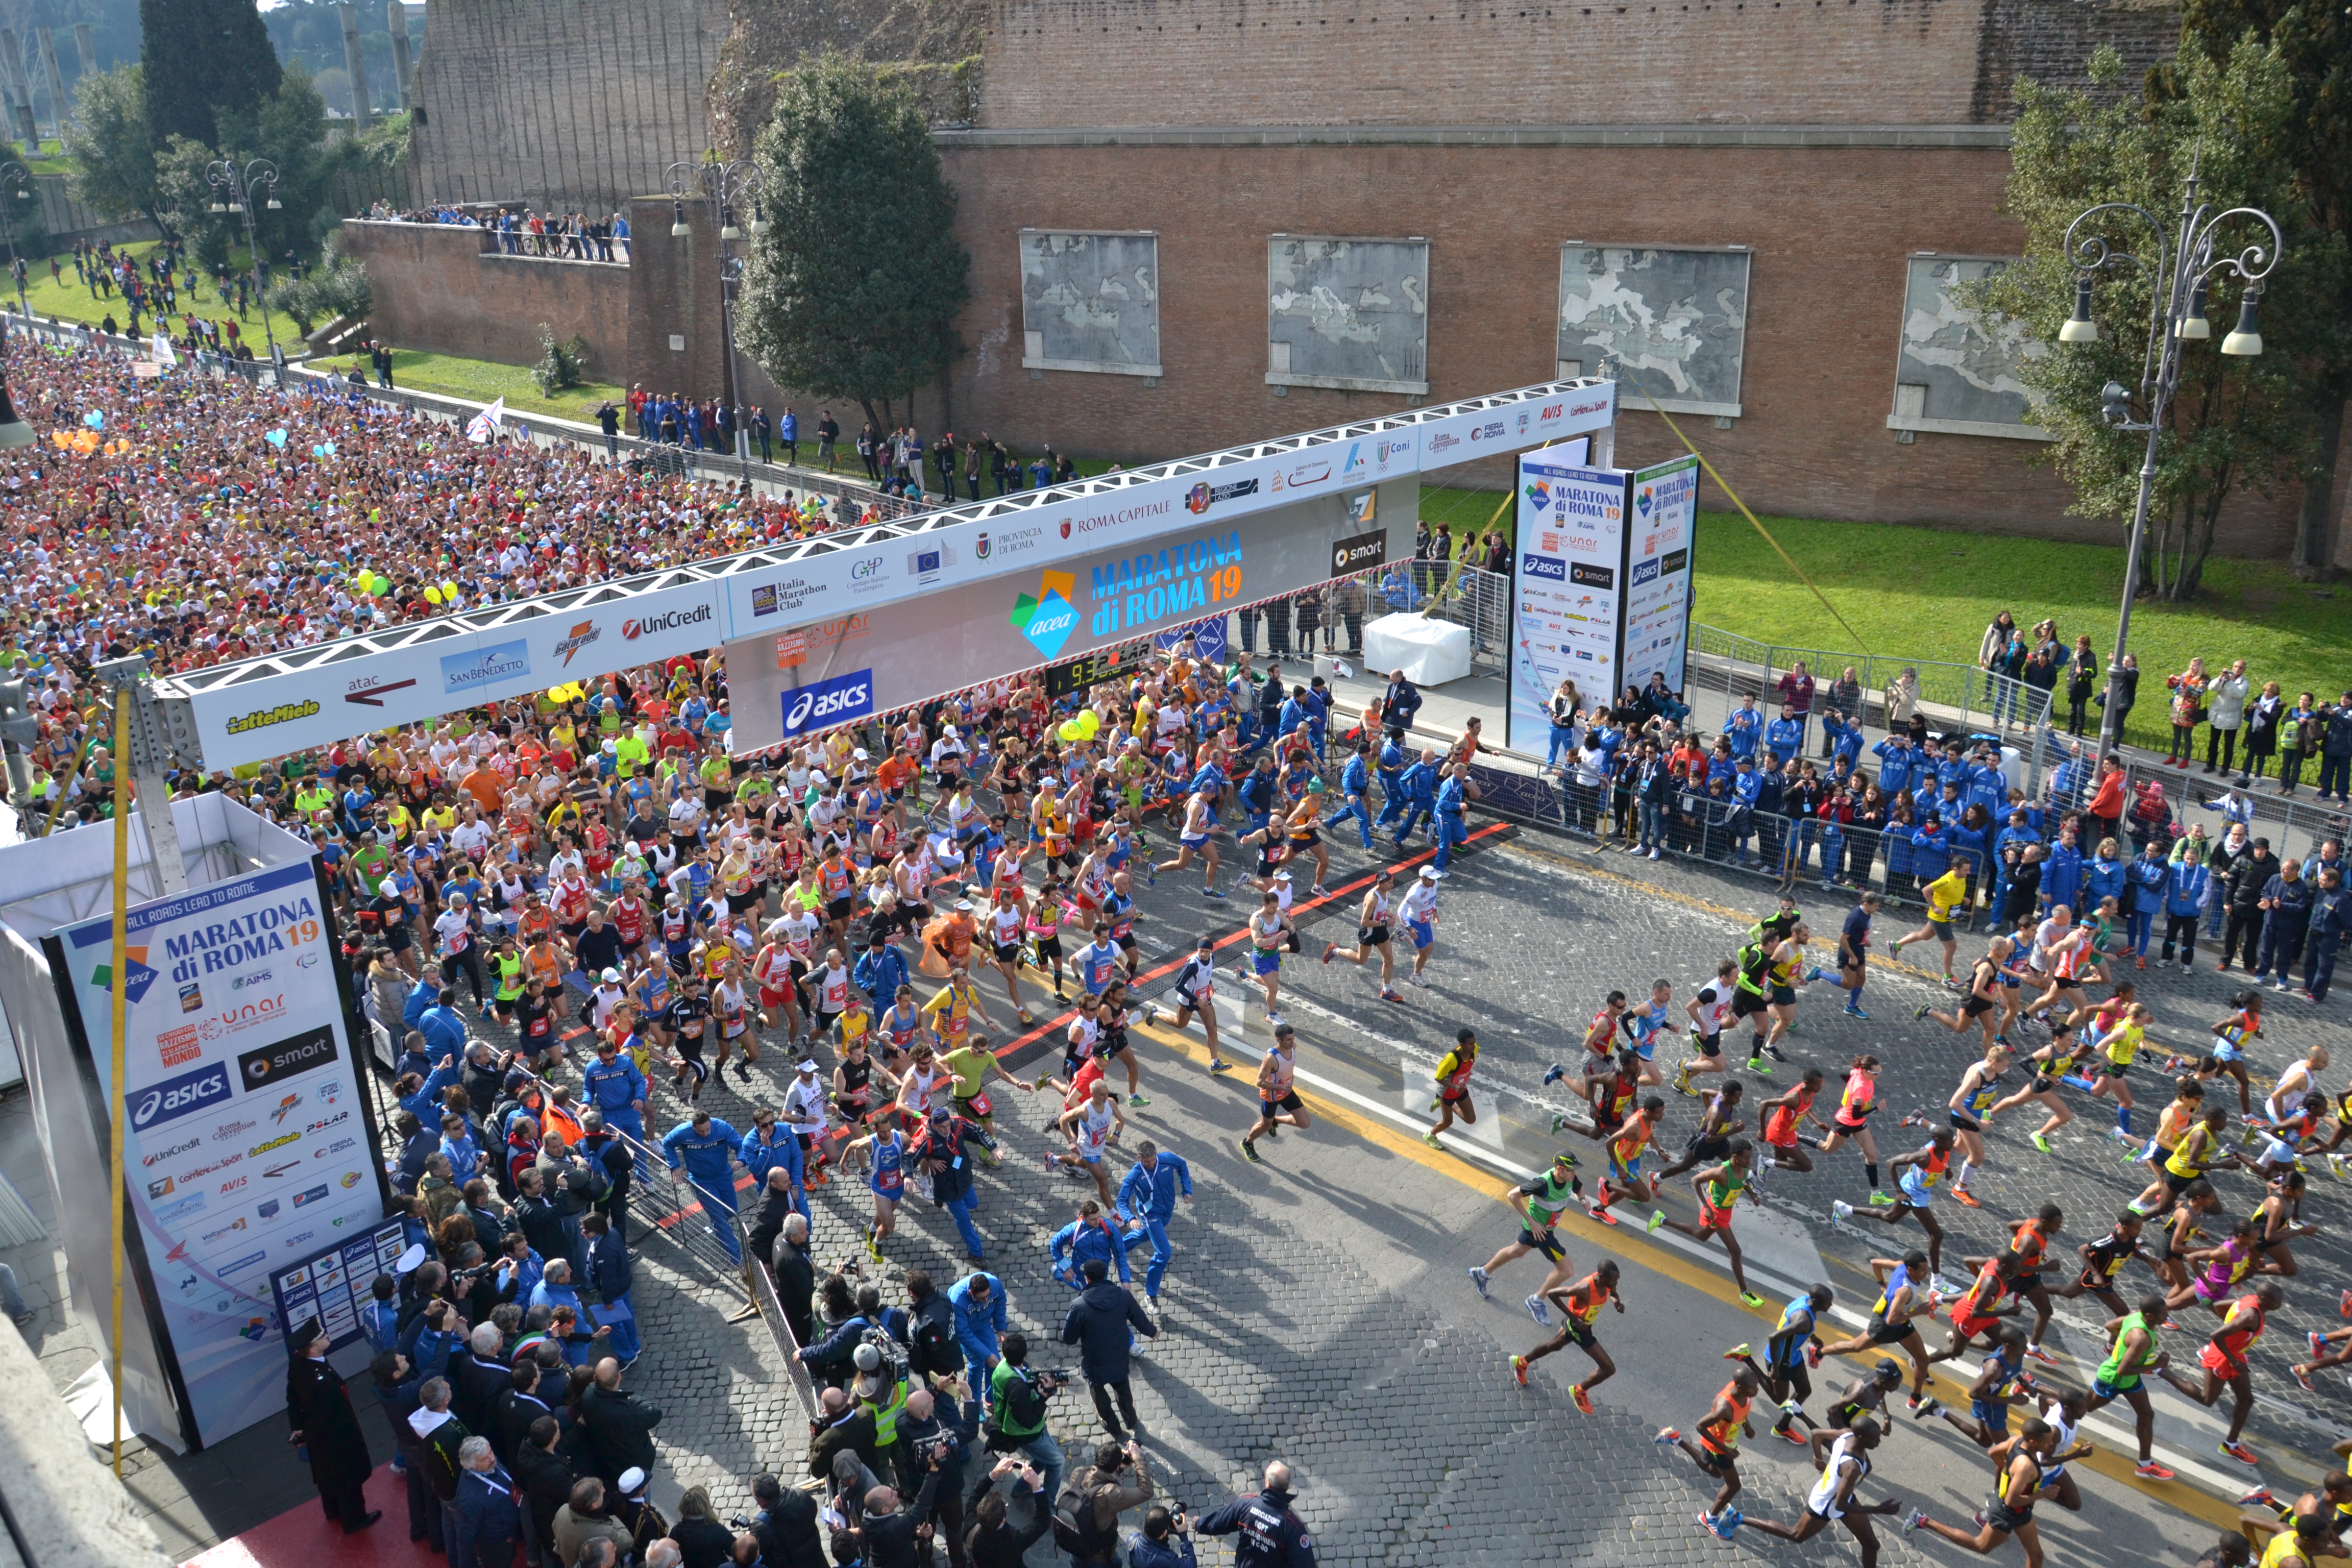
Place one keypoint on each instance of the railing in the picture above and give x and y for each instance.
(2184, 797)
(611, 250)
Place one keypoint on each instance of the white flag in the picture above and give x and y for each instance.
(482, 427)
(163, 351)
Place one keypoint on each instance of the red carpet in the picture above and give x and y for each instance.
(305, 1537)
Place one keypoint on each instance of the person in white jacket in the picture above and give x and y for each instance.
(2225, 710)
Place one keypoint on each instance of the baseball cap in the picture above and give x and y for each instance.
(612, 977)
(1430, 873)
(808, 1066)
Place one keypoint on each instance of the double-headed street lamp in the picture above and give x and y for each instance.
(2180, 276)
(236, 189)
(727, 186)
(15, 186)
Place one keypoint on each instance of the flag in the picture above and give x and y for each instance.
(482, 427)
(163, 353)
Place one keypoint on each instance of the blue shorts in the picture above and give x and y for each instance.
(1991, 1415)
(1191, 842)
(1916, 1193)
(2101, 1388)
(1267, 960)
(2227, 1051)
(1423, 933)
(1625, 1169)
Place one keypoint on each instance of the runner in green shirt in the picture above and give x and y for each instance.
(2133, 1354)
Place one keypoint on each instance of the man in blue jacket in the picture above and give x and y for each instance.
(2062, 877)
(1355, 783)
(1272, 1533)
(1744, 728)
(1103, 1322)
(881, 969)
(705, 1149)
(1394, 759)
(443, 1029)
(1418, 784)
(1453, 812)
(609, 1271)
(1091, 1235)
(978, 1302)
(1256, 791)
(488, 1509)
(1784, 737)
(612, 1084)
(1147, 1193)
(1895, 763)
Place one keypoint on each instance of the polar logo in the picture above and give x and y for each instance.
(662, 621)
(828, 703)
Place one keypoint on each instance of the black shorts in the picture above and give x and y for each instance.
(1709, 1147)
(1784, 995)
(1007, 952)
(1372, 936)
(1745, 1002)
(1975, 1006)
(1883, 1332)
(1578, 1333)
(714, 801)
(2001, 1516)
(1048, 948)
(1710, 1045)
(1125, 943)
(1287, 1102)
(839, 909)
(1543, 1242)
(738, 902)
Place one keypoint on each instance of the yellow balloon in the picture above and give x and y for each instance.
(432, 595)
(1089, 724)
(448, 590)
(1069, 729)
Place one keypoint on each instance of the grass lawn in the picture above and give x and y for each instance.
(1928, 594)
(482, 380)
(73, 301)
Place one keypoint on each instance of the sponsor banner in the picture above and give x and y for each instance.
(332, 1285)
(1568, 586)
(908, 653)
(236, 1071)
(1661, 515)
(1516, 425)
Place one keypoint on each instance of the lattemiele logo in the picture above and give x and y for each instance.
(656, 622)
(579, 637)
(263, 717)
(258, 1149)
(1048, 616)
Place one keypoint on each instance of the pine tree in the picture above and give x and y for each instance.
(199, 57)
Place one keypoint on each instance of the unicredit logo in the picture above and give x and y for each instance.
(661, 621)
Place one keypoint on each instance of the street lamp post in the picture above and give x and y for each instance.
(236, 189)
(726, 185)
(16, 181)
(2180, 275)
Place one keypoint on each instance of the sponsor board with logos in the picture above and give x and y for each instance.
(1661, 518)
(1110, 597)
(240, 1108)
(1569, 583)
(332, 1285)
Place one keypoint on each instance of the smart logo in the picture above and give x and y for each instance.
(176, 1097)
(828, 703)
(140, 975)
(1549, 566)
(463, 674)
(1046, 617)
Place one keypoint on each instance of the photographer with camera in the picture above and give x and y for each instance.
(993, 1542)
(1164, 1541)
(1085, 1512)
(1016, 1414)
(932, 1434)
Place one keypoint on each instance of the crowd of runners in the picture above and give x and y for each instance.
(592, 859)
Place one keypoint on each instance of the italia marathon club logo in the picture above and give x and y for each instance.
(1047, 616)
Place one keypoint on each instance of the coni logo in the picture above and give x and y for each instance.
(1048, 618)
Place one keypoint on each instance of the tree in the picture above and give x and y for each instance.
(2235, 426)
(201, 58)
(2315, 44)
(854, 290)
(111, 149)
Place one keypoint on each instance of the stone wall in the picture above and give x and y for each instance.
(563, 104)
(936, 43)
(438, 289)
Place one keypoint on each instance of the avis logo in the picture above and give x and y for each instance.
(1048, 618)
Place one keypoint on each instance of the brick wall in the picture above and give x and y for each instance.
(1486, 62)
(438, 290)
(562, 103)
(1829, 229)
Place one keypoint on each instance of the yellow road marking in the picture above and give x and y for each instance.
(1634, 1246)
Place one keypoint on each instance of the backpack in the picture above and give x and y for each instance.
(1074, 1529)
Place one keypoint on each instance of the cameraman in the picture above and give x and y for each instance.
(1017, 1416)
(1164, 1541)
(1104, 1491)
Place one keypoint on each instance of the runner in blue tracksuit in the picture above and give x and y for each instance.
(1148, 1195)
(1355, 782)
(2061, 875)
(705, 1149)
(1394, 761)
(1257, 793)
(978, 1301)
(615, 1086)
(1084, 1241)
(1418, 785)
(768, 1145)
(1452, 811)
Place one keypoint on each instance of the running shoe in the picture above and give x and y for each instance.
(1656, 1220)
(2344, 1305)
(1139, 1099)
(2239, 1452)
(1967, 1199)
(1913, 1521)
(1553, 1074)
(1601, 1214)
(1921, 1011)
(2149, 1470)
(1737, 1353)
(1249, 1151)
(1683, 1083)
(1275, 1020)
(1043, 1079)
(1852, 1011)
(1881, 1200)
(1519, 1369)
(2043, 1356)
(1840, 1211)
(1751, 1298)
(1220, 1066)
(2336, 1166)
(1933, 1408)
(1417, 980)
(1895, 950)
(1558, 1122)
(1479, 1277)
(1049, 1161)
(1667, 1438)
(1537, 1309)
(1788, 1430)
(1728, 1524)
(2302, 1376)
(1431, 1139)
(1576, 1392)
(1328, 949)
(2319, 1345)
(2260, 1495)
(2043, 1143)
(1212, 894)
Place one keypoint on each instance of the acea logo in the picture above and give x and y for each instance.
(138, 975)
(1048, 618)
(1539, 496)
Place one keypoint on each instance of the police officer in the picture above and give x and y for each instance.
(705, 1149)
(617, 1089)
(1271, 1536)
(2331, 915)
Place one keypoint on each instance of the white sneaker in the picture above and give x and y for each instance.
(1840, 1208)
(1653, 854)
(1417, 980)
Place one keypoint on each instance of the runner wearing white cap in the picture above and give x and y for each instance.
(1419, 912)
